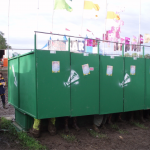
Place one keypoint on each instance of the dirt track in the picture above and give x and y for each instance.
(11, 110)
(133, 138)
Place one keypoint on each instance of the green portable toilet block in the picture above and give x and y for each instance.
(47, 84)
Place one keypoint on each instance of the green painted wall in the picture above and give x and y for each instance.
(111, 88)
(135, 90)
(53, 96)
(85, 91)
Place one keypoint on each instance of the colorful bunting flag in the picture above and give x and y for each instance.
(88, 30)
(67, 29)
(65, 38)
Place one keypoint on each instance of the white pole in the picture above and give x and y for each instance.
(52, 23)
(8, 28)
(52, 15)
(139, 28)
(82, 18)
(105, 28)
(37, 15)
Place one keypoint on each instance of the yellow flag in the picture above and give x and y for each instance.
(112, 15)
(146, 38)
(91, 9)
(111, 12)
(89, 4)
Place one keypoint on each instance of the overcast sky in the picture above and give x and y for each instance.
(25, 18)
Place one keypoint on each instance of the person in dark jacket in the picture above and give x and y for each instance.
(2, 90)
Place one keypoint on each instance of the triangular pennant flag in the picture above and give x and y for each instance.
(45, 45)
(65, 38)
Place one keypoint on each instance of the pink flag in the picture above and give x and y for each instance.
(103, 36)
(112, 29)
(88, 30)
(106, 37)
(117, 33)
(121, 40)
(127, 40)
(89, 42)
(141, 39)
(94, 43)
(109, 31)
(67, 29)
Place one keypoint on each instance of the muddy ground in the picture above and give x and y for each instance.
(121, 136)
(8, 142)
(11, 110)
(126, 137)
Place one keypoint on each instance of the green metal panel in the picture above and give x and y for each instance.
(84, 88)
(24, 120)
(111, 88)
(13, 82)
(27, 84)
(53, 95)
(147, 84)
(134, 90)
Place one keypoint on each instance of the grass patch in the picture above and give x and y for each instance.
(68, 137)
(123, 132)
(115, 126)
(96, 135)
(25, 140)
(140, 125)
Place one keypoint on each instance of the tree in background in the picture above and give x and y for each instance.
(127, 55)
(134, 55)
(3, 43)
(147, 56)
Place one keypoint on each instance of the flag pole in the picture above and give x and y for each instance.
(37, 15)
(8, 28)
(139, 28)
(82, 18)
(105, 28)
(52, 15)
(52, 24)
